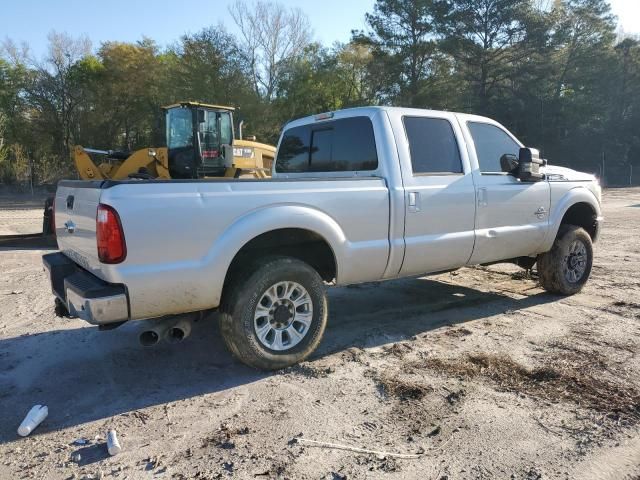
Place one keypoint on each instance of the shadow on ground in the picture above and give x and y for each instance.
(83, 374)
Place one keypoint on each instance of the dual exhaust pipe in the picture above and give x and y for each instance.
(171, 329)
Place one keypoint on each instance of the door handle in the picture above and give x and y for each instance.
(482, 197)
(414, 201)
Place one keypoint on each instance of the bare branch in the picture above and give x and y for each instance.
(272, 35)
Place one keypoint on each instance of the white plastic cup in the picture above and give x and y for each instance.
(35, 416)
(113, 445)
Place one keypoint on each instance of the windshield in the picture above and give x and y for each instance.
(179, 128)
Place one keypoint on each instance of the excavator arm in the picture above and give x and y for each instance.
(154, 160)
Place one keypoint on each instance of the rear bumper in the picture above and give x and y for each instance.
(85, 295)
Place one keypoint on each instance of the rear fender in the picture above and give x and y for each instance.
(264, 220)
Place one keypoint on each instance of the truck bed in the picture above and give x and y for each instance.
(196, 227)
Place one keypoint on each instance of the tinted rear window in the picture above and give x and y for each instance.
(336, 146)
(433, 145)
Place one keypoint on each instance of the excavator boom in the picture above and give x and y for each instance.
(153, 160)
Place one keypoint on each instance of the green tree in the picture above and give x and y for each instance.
(403, 37)
(11, 106)
(580, 85)
(623, 123)
(323, 79)
(208, 67)
(488, 39)
(128, 92)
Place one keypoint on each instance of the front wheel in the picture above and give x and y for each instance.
(275, 314)
(567, 266)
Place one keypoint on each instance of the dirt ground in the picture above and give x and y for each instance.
(21, 213)
(478, 373)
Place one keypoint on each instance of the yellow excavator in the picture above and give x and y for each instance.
(200, 143)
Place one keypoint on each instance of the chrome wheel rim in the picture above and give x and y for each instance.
(575, 262)
(283, 316)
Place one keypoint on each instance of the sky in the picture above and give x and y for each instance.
(163, 20)
(166, 20)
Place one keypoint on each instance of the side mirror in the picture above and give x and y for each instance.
(529, 162)
(509, 164)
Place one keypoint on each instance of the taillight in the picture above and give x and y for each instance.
(110, 236)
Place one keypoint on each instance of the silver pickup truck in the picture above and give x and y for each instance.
(357, 195)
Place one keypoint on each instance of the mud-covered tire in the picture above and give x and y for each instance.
(238, 311)
(566, 267)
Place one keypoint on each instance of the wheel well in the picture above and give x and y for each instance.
(304, 245)
(583, 215)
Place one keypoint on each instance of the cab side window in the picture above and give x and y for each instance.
(491, 143)
(345, 145)
(293, 152)
(433, 145)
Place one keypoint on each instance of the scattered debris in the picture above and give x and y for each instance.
(378, 454)
(152, 462)
(454, 397)
(113, 445)
(35, 416)
(222, 438)
(309, 371)
(140, 415)
(403, 389)
(563, 377)
(458, 332)
(399, 349)
(80, 441)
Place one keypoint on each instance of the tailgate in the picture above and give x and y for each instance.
(75, 217)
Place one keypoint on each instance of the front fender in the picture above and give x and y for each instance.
(559, 207)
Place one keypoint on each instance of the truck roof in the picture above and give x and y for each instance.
(372, 110)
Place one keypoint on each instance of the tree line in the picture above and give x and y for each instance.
(555, 72)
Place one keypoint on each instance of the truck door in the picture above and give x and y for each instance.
(511, 216)
(439, 193)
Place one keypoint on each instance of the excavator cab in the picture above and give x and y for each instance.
(199, 139)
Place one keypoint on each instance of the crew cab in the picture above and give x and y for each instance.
(357, 195)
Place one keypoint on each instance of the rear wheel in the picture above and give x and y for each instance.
(274, 314)
(567, 266)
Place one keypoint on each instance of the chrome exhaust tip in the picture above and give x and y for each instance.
(149, 338)
(156, 331)
(179, 331)
(173, 329)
